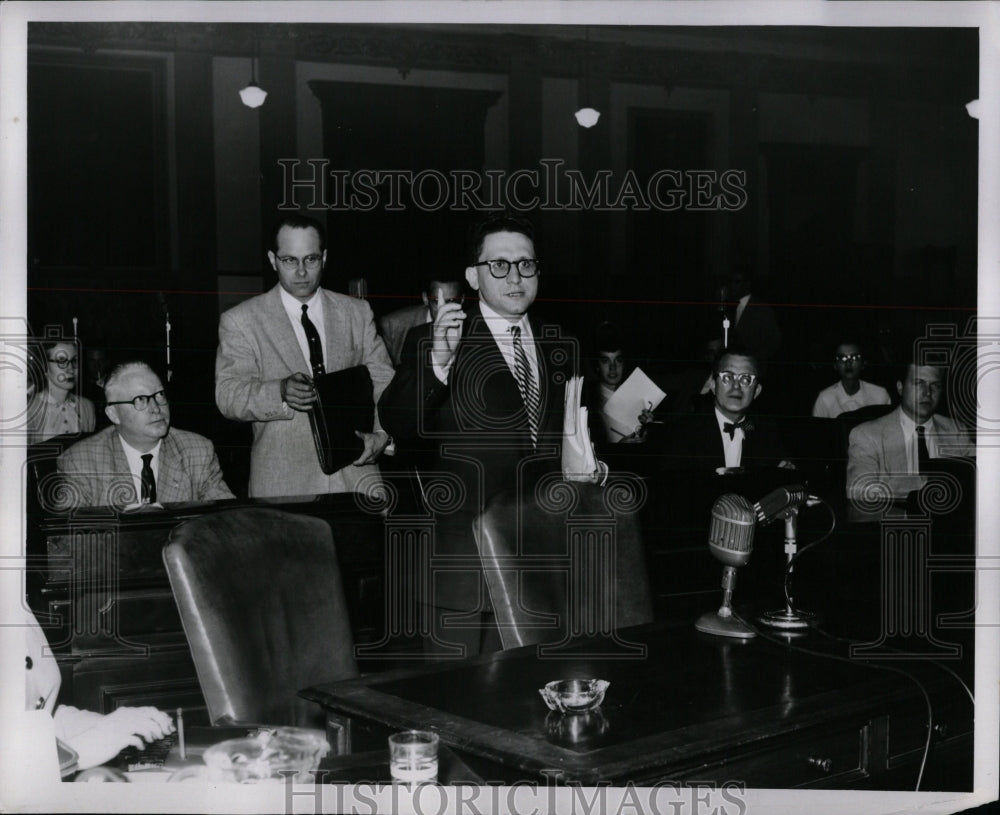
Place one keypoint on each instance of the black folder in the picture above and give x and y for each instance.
(346, 403)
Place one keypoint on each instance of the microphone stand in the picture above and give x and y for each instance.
(789, 618)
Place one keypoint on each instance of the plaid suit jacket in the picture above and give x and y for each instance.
(94, 472)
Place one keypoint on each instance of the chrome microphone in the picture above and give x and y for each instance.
(730, 539)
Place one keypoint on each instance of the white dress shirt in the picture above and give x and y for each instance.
(732, 446)
(134, 458)
(293, 308)
(500, 329)
(833, 401)
(910, 438)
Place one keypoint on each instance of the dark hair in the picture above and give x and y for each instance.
(904, 367)
(496, 222)
(447, 276)
(849, 341)
(608, 337)
(295, 220)
(49, 343)
(736, 350)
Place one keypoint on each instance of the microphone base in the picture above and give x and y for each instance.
(788, 620)
(711, 623)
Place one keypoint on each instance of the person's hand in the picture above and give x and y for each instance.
(447, 330)
(297, 391)
(375, 443)
(645, 417)
(785, 464)
(126, 726)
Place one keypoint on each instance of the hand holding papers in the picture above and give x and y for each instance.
(579, 463)
(636, 395)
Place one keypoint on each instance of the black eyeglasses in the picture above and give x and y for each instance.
(745, 381)
(291, 264)
(64, 362)
(849, 357)
(141, 402)
(526, 267)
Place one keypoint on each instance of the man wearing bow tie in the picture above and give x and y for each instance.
(727, 438)
(719, 450)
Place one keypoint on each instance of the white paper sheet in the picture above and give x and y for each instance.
(634, 395)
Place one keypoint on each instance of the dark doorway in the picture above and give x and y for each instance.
(404, 237)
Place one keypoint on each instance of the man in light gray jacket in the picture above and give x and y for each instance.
(269, 348)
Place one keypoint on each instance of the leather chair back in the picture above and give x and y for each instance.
(260, 596)
(566, 561)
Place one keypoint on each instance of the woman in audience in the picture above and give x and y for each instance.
(94, 737)
(56, 409)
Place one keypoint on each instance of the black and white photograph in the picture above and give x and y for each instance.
(500, 407)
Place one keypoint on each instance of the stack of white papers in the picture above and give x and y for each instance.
(579, 463)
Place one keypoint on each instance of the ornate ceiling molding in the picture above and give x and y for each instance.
(839, 66)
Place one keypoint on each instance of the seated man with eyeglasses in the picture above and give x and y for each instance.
(727, 438)
(720, 450)
(140, 459)
(851, 392)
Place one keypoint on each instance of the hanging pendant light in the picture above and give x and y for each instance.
(586, 116)
(253, 95)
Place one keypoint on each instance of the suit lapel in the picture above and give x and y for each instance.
(894, 444)
(281, 332)
(119, 464)
(338, 353)
(171, 475)
(482, 358)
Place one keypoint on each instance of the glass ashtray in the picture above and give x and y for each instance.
(574, 695)
(277, 753)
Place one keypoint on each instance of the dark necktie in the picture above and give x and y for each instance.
(148, 483)
(923, 455)
(526, 384)
(315, 344)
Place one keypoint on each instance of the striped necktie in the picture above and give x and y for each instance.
(526, 384)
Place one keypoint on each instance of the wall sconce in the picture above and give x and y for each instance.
(252, 95)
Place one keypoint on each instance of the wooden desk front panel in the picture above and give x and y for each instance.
(119, 639)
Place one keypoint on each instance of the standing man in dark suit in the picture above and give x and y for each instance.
(754, 326)
(140, 459)
(272, 345)
(486, 386)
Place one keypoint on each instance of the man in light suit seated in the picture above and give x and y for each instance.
(893, 454)
(140, 459)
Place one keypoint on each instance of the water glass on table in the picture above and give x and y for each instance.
(413, 757)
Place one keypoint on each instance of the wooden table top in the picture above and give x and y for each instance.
(690, 695)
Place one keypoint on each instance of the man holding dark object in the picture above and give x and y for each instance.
(270, 349)
(486, 387)
(140, 459)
